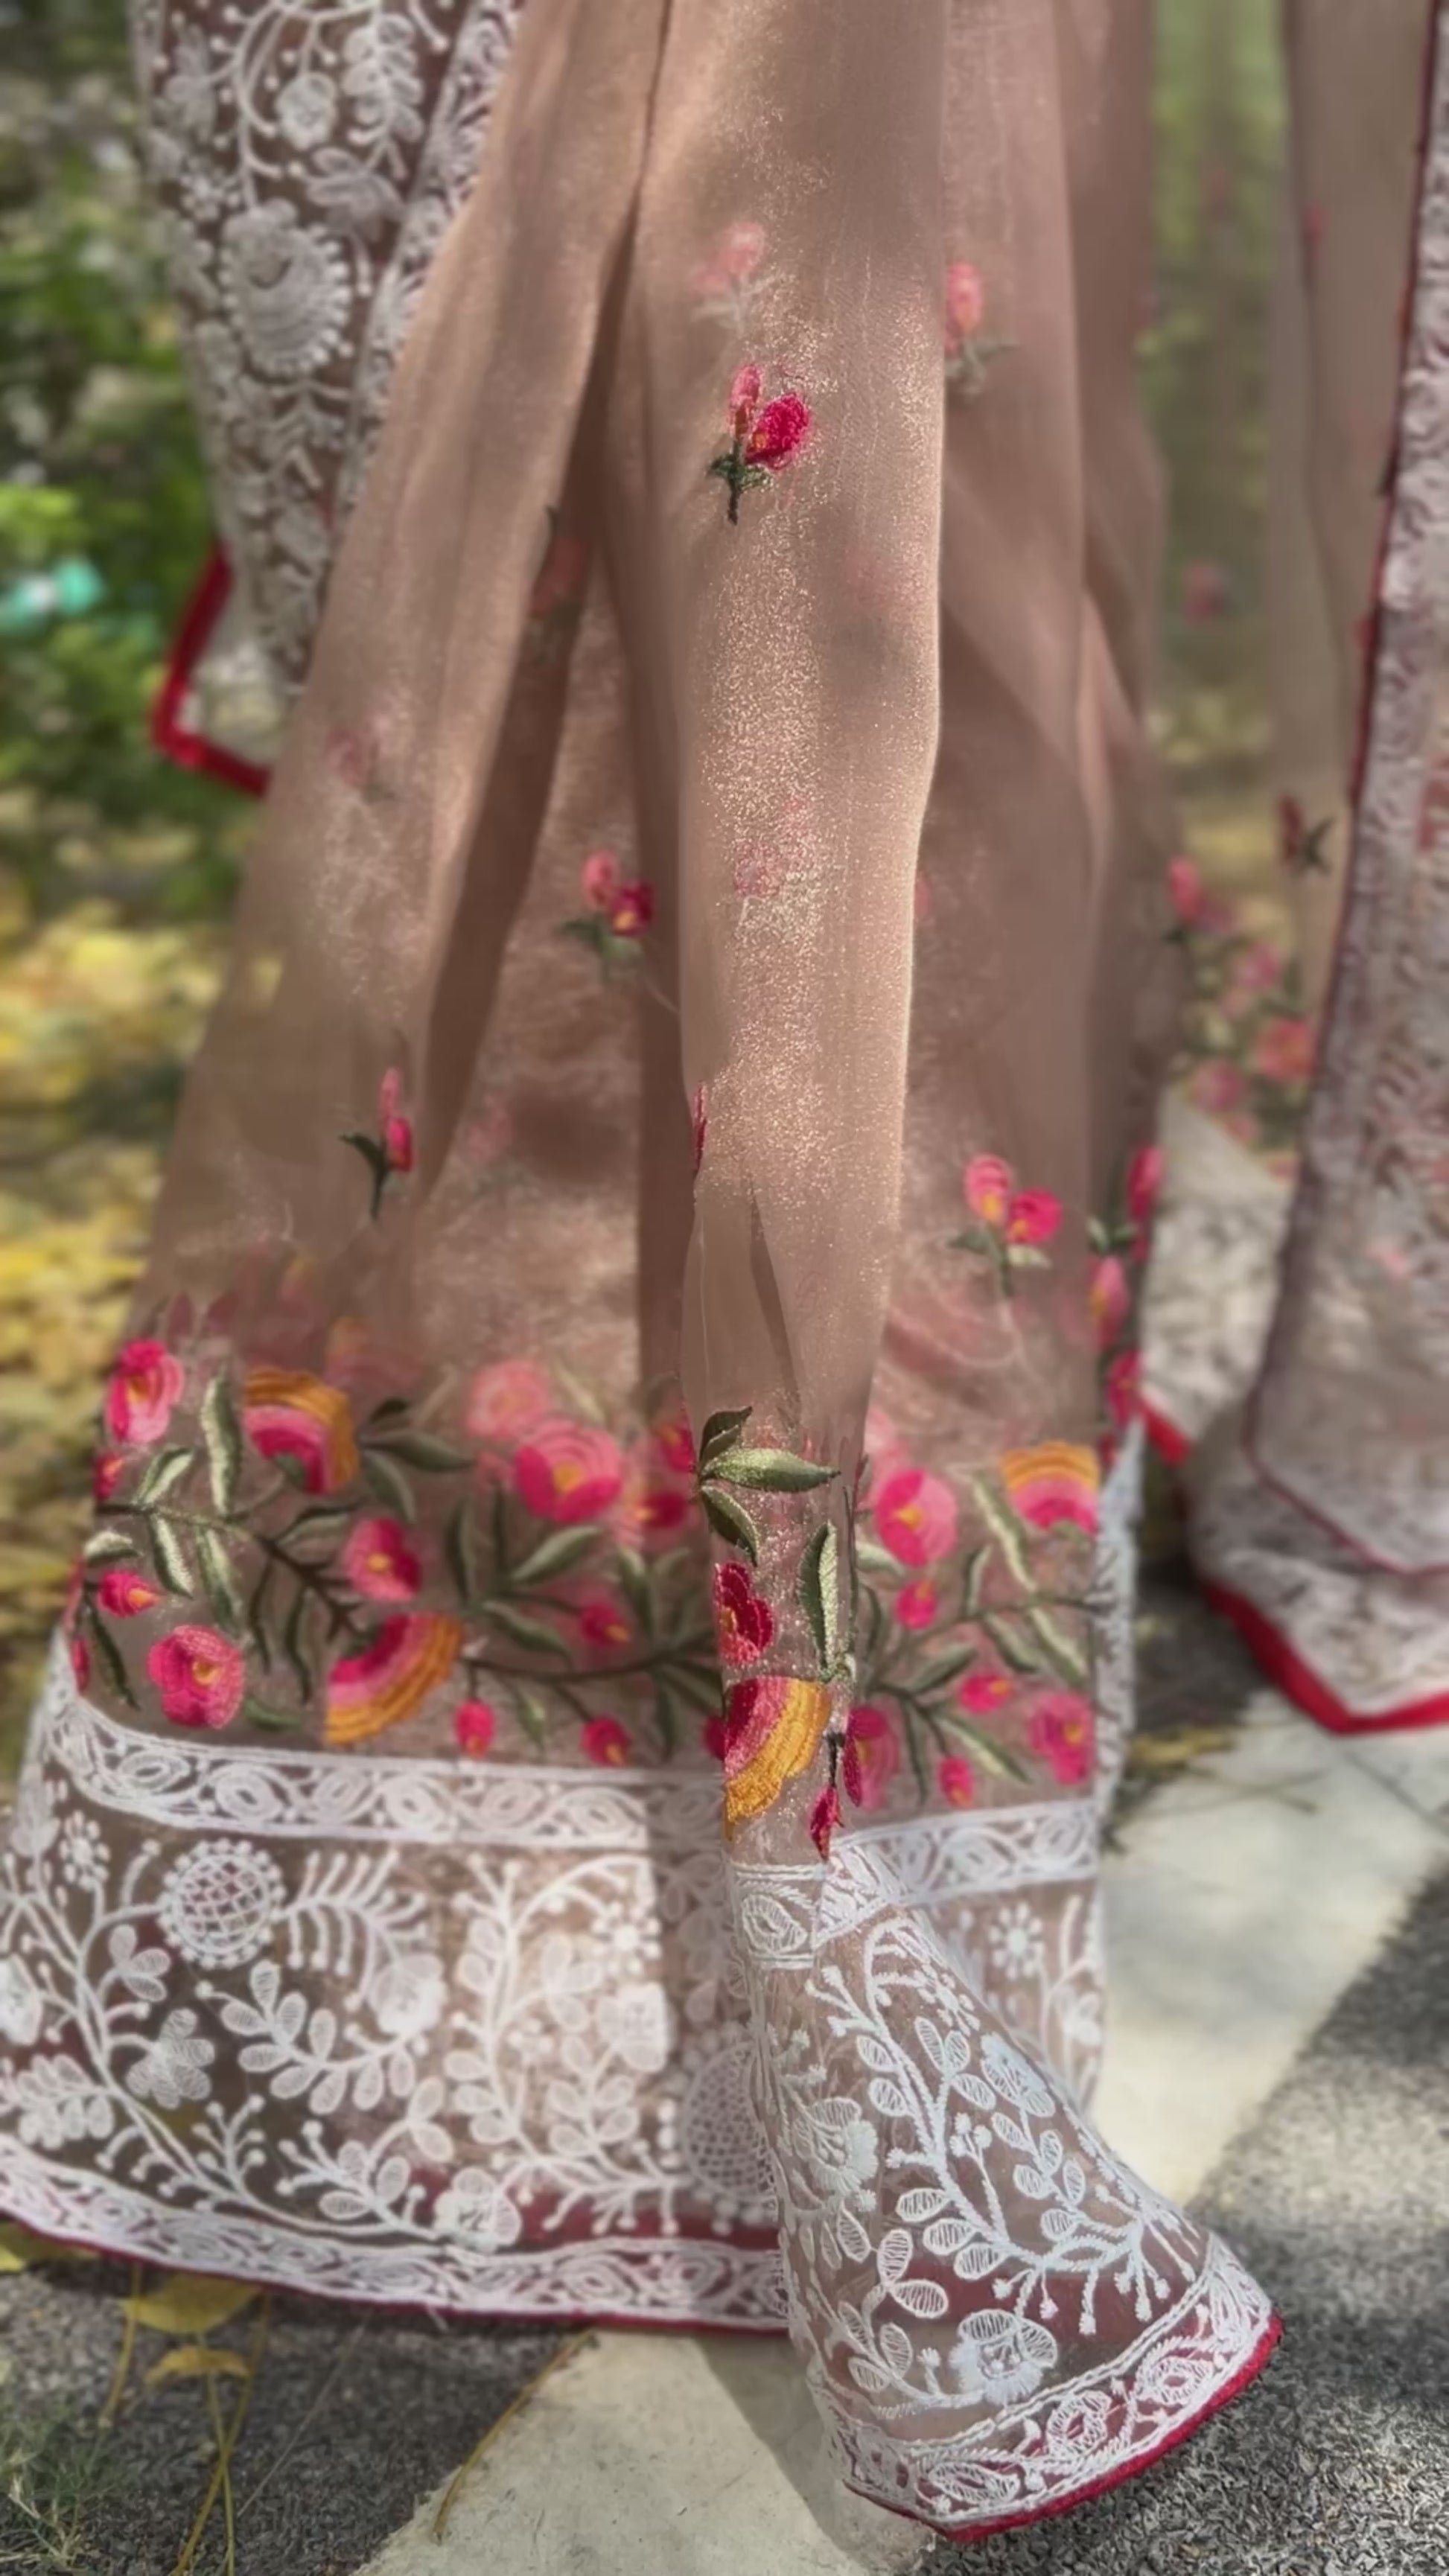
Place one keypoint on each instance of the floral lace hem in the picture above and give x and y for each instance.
(1093, 2433)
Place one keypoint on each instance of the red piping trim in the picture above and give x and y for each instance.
(1306, 1688)
(172, 737)
(1248, 2370)
(1166, 1439)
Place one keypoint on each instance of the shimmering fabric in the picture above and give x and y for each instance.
(641, 1317)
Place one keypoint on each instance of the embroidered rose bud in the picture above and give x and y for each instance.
(599, 877)
(106, 1474)
(474, 1727)
(956, 1781)
(603, 1740)
(1032, 1218)
(199, 1677)
(631, 910)
(126, 1592)
(965, 302)
(987, 1185)
(763, 441)
(824, 1817)
(146, 1383)
(981, 1694)
(397, 1134)
(744, 1622)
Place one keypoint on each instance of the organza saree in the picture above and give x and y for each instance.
(572, 1779)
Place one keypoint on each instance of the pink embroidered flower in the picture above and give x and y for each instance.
(824, 1818)
(567, 1471)
(764, 440)
(1284, 1052)
(474, 1727)
(1258, 969)
(146, 1384)
(965, 303)
(389, 1678)
(507, 1400)
(603, 1740)
(1218, 1087)
(871, 1758)
(699, 1120)
(731, 264)
(397, 1134)
(981, 1694)
(1063, 1735)
(651, 1511)
(1032, 1217)
(1123, 1388)
(599, 877)
(1109, 1298)
(126, 1592)
(381, 1562)
(916, 1604)
(288, 1414)
(744, 1621)
(1054, 1483)
(956, 1780)
(915, 1517)
(80, 1661)
(1144, 1180)
(199, 1677)
(603, 1621)
(988, 1184)
(106, 1472)
(1186, 891)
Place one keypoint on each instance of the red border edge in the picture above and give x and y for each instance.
(1247, 2371)
(1170, 1443)
(1302, 1685)
(173, 739)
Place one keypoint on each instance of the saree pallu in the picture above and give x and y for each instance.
(640, 1331)
(1322, 1510)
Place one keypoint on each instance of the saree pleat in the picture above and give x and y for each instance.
(640, 1331)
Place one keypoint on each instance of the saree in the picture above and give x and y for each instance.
(571, 1781)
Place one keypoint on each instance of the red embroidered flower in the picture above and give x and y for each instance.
(199, 1677)
(916, 1604)
(915, 1517)
(1011, 1225)
(1063, 1735)
(744, 1621)
(1186, 891)
(474, 1727)
(1144, 1180)
(824, 1817)
(397, 1134)
(566, 1471)
(631, 909)
(980, 1693)
(106, 1472)
(762, 440)
(871, 1757)
(125, 1592)
(145, 1386)
(956, 1780)
(604, 1740)
(674, 1441)
(381, 1562)
(1033, 1217)
(603, 1621)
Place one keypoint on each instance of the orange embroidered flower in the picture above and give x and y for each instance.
(773, 1731)
(1053, 1483)
(391, 1677)
(288, 1414)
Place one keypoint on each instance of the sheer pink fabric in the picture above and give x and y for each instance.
(643, 1299)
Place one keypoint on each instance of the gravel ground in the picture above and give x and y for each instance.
(1335, 2462)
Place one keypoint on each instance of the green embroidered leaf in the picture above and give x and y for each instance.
(819, 1589)
(666, 1717)
(1008, 1646)
(972, 1238)
(721, 1432)
(169, 1554)
(1004, 1530)
(219, 1579)
(1027, 1256)
(256, 1619)
(293, 1469)
(110, 1655)
(532, 1714)
(389, 1483)
(104, 1545)
(529, 1633)
(556, 1553)
(872, 1558)
(730, 1521)
(637, 1589)
(391, 1409)
(579, 1397)
(1097, 1235)
(314, 1534)
(221, 1434)
(992, 1756)
(1059, 1649)
(942, 1670)
(460, 1546)
(500, 1529)
(273, 1721)
(164, 1473)
(420, 1449)
(772, 1471)
(976, 1564)
(294, 1643)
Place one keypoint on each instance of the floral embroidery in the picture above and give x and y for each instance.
(1247, 1050)
(302, 1423)
(969, 350)
(764, 437)
(146, 1382)
(727, 281)
(1009, 1227)
(1055, 1482)
(1114, 1291)
(620, 911)
(1303, 846)
(390, 1151)
(1063, 1735)
(556, 602)
(199, 1677)
(474, 1726)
